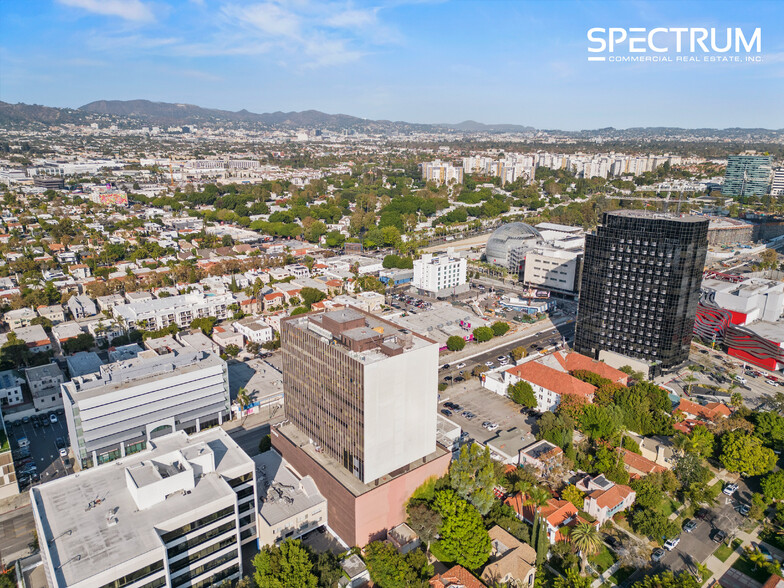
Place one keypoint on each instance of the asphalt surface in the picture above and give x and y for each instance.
(16, 534)
(43, 447)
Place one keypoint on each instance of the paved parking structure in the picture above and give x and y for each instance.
(43, 447)
(515, 430)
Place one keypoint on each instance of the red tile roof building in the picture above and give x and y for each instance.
(456, 577)
(548, 384)
(639, 466)
(572, 361)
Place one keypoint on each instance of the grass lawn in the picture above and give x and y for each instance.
(724, 551)
(669, 507)
(619, 576)
(743, 565)
(770, 537)
(603, 560)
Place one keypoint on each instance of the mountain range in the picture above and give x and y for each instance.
(145, 112)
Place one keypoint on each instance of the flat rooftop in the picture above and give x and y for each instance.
(768, 330)
(334, 468)
(681, 218)
(75, 510)
(281, 493)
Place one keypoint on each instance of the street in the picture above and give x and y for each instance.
(16, 534)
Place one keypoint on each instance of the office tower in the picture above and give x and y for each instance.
(115, 411)
(364, 389)
(777, 186)
(173, 515)
(747, 175)
(641, 286)
(440, 274)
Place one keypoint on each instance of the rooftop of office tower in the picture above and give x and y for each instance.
(361, 335)
(665, 216)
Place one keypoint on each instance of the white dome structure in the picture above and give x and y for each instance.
(507, 237)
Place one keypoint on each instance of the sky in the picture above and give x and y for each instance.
(518, 62)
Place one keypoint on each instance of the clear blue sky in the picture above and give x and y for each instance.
(521, 62)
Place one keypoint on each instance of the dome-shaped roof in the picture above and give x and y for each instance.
(505, 237)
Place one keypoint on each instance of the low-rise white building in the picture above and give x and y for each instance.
(180, 310)
(10, 388)
(175, 514)
(18, 318)
(254, 330)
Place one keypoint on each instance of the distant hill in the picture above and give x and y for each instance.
(11, 114)
(471, 126)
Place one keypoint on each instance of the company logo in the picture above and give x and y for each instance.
(675, 44)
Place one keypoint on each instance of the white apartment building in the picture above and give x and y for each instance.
(10, 388)
(441, 172)
(440, 273)
(174, 515)
(254, 330)
(180, 310)
(777, 187)
(290, 505)
(551, 268)
(21, 317)
(114, 412)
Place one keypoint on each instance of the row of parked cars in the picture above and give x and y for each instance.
(38, 420)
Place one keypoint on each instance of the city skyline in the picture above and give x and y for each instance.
(518, 63)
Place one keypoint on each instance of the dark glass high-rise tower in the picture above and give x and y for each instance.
(641, 285)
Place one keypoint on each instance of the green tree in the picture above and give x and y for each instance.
(286, 565)
(455, 343)
(519, 353)
(522, 393)
(82, 342)
(425, 522)
(299, 310)
(742, 452)
(483, 334)
(499, 328)
(464, 538)
(542, 541)
(232, 350)
(311, 295)
(265, 444)
(335, 239)
(573, 579)
(326, 567)
(390, 569)
(473, 476)
(206, 324)
(573, 495)
(586, 540)
(773, 485)
(668, 580)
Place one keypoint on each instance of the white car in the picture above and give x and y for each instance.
(772, 383)
(730, 489)
(489, 364)
(460, 365)
(740, 379)
(671, 544)
(63, 452)
(491, 427)
(52, 418)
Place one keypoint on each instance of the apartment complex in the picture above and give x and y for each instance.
(179, 310)
(115, 411)
(173, 515)
(747, 175)
(364, 389)
(777, 186)
(641, 286)
(440, 274)
(441, 172)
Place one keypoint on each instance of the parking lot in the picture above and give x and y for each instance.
(513, 429)
(44, 452)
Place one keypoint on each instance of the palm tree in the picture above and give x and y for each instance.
(243, 400)
(586, 540)
(690, 379)
(537, 497)
(755, 556)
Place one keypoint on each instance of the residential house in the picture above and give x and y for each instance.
(639, 466)
(80, 271)
(456, 577)
(54, 313)
(403, 538)
(355, 572)
(656, 449)
(10, 388)
(224, 337)
(81, 306)
(572, 361)
(775, 581)
(542, 456)
(110, 301)
(35, 337)
(556, 514)
(549, 384)
(711, 412)
(18, 318)
(65, 331)
(44, 382)
(273, 301)
(605, 498)
(511, 561)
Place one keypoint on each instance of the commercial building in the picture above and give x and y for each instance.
(641, 286)
(178, 310)
(440, 275)
(175, 514)
(777, 186)
(441, 321)
(290, 505)
(747, 175)
(745, 315)
(552, 269)
(507, 238)
(114, 412)
(361, 396)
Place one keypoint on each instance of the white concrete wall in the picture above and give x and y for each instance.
(401, 397)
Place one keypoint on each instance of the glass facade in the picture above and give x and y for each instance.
(641, 286)
(747, 175)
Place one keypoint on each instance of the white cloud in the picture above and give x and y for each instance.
(133, 10)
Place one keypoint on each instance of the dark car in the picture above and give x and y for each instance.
(719, 536)
(446, 412)
(702, 514)
(612, 542)
(60, 443)
(690, 526)
(459, 379)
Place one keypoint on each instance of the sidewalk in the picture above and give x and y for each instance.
(13, 503)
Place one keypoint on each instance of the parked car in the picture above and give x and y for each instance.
(446, 366)
(489, 364)
(702, 514)
(60, 442)
(730, 489)
(744, 509)
(492, 427)
(671, 544)
(719, 536)
(461, 365)
(446, 412)
(63, 452)
(53, 418)
(459, 379)
(690, 526)
(657, 554)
